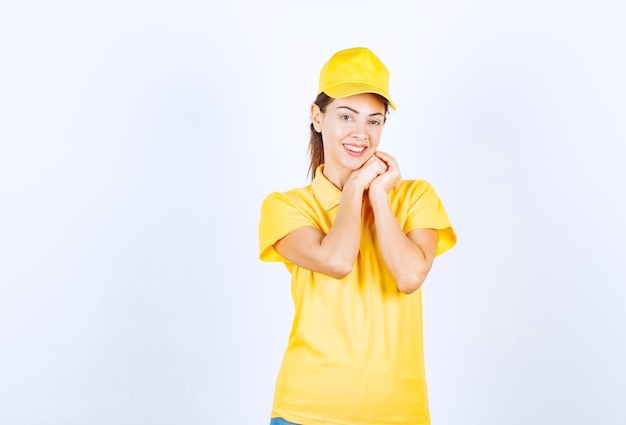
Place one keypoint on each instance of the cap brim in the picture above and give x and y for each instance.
(350, 89)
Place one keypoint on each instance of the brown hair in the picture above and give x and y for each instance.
(316, 145)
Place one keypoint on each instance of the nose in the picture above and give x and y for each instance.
(359, 130)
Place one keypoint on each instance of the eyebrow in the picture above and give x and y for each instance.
(357, 112)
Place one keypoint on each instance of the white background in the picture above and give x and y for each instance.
(138, 139)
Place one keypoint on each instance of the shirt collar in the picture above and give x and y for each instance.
(327, 194)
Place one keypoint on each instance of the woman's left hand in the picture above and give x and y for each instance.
(390, 178)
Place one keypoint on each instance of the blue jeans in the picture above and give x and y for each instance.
(280, 421)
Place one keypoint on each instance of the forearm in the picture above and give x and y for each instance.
(334, 253)
(340, 246)
(407, 261)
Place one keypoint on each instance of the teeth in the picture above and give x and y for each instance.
(356, 149)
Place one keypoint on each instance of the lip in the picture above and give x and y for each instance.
(352, 153)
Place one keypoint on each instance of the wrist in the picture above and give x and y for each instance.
(352, 189)
(353, 185)
(377, 193)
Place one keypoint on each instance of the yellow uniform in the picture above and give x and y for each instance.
(355, 353)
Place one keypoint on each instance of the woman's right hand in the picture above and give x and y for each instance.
(363, 176)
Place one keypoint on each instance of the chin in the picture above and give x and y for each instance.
(351, 165)
(356, 163)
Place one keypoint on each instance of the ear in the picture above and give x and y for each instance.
(316, 117)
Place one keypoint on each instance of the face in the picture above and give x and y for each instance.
(351, 129)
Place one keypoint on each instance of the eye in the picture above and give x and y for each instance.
(375, 122)
(345, 117)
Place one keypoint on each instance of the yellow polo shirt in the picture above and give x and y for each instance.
(355, 354)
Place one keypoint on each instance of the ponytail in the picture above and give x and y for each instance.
(316, 145)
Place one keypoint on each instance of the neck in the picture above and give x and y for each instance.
(336, 177)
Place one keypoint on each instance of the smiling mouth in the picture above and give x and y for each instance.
(355, 149)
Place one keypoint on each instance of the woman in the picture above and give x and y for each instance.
(358, 242)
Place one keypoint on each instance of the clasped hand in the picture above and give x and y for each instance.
(379, 173)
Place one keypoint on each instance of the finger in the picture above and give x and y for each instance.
(372, 158)
(384, 156)
(376, 160)
(388, 159)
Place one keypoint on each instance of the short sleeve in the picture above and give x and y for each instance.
(426, 211)
(279, 217)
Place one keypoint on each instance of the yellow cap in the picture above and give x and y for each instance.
(354, 71)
